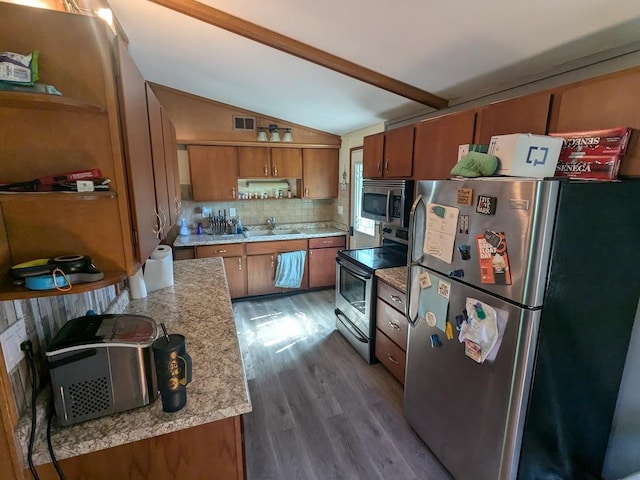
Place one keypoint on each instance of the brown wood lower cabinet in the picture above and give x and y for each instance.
(391, 329)
(234, 265)
(322, 260)
(212, 450)
(262, 262)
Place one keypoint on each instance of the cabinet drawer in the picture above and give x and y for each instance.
(392, 296)
(327, 242)
(278, 246)
(228, 250)
(392, 323)
(390, 355)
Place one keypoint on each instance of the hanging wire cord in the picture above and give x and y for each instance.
(27, 348)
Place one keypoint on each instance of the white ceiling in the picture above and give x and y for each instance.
(452, 48)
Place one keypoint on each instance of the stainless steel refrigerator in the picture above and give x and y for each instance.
(522, 296)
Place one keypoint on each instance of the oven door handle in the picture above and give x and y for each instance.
(361, 274)
(351, 327)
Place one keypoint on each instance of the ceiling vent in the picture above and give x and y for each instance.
(244, 123)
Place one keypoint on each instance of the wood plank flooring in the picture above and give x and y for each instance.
(319, 410)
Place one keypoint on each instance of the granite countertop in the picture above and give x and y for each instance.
(197, 306)
(306, 231)
(396, 277)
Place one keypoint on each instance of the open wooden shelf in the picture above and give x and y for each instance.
(42, 101)
(44, 196)
(8, 291)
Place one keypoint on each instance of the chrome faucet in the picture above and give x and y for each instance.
(271, 221)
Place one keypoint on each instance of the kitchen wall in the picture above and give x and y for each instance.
(43, 318)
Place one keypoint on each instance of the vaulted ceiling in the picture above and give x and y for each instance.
(456, 50)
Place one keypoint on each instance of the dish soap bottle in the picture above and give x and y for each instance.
(184, 230)
(239, 226)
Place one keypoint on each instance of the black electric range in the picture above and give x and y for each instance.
(356, 288)
(392, 253)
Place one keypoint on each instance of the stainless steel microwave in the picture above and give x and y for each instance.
(387, 201)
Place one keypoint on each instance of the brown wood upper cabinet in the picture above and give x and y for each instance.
(528, 114)
(436, 144)
(389, 154)
(276, 162)
(607, 102)
(320, 173)
(214, 172)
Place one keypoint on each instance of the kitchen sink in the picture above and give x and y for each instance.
(270, 233)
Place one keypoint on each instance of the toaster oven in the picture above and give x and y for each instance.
(102, 364)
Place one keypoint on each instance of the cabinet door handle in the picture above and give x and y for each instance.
(156, 227)
(221, 251)
(393, 325)
(396, 299)
(239, 263)
(306, 191)
(327, 241)
(392, 360)
(266, 170)
(273, 262)
(275, 170)
(233, 192)
(163, 220)
(378, 167)
(386, 166)
(178, 203)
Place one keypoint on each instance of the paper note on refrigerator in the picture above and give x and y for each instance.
(440, 231)
(483, 331)
(433, 305)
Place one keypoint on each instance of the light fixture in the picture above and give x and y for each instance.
(262, 134)
(287, 135)
(275, 133)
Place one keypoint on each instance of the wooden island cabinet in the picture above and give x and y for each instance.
(234, 265)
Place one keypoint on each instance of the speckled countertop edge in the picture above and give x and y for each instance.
(396, 277)
(306, 231)
(199, 307)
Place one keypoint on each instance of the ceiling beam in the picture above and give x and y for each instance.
(236, 25)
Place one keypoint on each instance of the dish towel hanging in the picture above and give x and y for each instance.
(290, 269)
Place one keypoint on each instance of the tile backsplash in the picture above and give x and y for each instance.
(255, 212)
(43, 317)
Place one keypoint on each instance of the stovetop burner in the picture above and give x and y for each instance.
(371, 259)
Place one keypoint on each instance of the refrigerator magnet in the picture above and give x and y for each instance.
(465, 196)
(493, 260)
(486, 205)
(431, 319)
(463, 224)
(443, 289)
(424, 279)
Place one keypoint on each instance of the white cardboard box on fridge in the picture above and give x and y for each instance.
(525, 154)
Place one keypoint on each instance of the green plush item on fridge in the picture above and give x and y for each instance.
(476, 164)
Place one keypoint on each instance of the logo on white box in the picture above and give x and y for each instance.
(537, 155)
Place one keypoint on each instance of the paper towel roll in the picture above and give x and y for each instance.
(137, 287)
(158, 270)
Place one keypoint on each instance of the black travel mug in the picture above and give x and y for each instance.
(173, 369)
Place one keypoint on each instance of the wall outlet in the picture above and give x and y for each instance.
(232, 212)
(11, 339)
(340, 210)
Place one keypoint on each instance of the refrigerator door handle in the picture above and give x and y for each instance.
(412, 225)
(412, 319)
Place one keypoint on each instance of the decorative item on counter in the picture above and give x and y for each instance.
(173, 369)
(475, 164)
(184, 230)
(199, 229)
